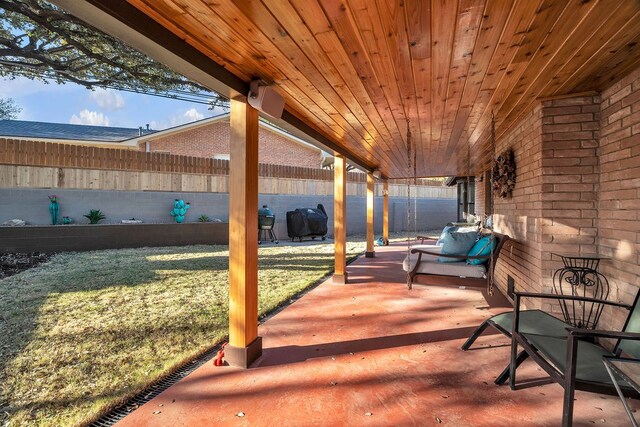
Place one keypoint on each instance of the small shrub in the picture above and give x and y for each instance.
(203, 218)
(95, 216)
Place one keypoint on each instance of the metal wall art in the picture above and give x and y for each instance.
(504, 174)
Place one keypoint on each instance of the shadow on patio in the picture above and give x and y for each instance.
(373, 352)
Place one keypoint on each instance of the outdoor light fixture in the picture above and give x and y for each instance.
(377, 174)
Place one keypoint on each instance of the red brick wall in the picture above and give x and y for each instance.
(570, 134)
(518, 216)
(577, 190)
(213, 139)
(619, 198)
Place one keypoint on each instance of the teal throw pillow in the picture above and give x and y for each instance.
(445, 230)
(482, 247)
(456, 243)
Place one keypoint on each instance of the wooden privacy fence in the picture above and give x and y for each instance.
(39, 153)
(35, 164)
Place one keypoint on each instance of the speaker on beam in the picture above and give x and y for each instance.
(265, 99)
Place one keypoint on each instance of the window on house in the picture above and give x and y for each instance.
(221, 156)
(466, 198)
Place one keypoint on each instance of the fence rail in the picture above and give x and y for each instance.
(49, 154)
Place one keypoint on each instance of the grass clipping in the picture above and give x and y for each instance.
(85, 331)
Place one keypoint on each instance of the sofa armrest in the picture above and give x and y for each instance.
(422, 251)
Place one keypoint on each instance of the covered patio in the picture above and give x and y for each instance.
(411, 89)
(374, 353)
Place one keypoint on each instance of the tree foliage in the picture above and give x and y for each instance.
(9, 110)
(41, 41)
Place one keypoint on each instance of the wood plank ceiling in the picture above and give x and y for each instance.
(362, 71)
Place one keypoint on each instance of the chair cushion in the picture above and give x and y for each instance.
(632, 347)
(482, 247)
(589, 366)
(457, 243)
(532, 322)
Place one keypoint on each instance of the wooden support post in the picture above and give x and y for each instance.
(340, 218)
(370, 253)
(385, 212)
(244, 344)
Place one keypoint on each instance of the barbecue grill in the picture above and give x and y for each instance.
(266, 221)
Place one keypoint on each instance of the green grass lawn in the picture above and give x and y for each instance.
(86, 330)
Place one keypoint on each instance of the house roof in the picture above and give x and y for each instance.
(28, 129)
(209, 120)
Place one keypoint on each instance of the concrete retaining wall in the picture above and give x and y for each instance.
(32, 205)
(112, 236)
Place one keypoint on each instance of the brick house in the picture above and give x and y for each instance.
(578, 166)
(210, 138)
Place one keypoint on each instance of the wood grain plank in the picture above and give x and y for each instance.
(418, 22)
(442, 35)
(345, 84)
(471, 13)
(486, 52)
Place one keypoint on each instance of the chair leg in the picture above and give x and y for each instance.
(513, 365)
(479, 330)
(567, 407)
(570, 381)
(504, 375)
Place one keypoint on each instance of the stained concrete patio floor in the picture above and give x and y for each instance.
(373, 352)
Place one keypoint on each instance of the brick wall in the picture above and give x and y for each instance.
(570, 134)
(619, 198)
(518, 216)
(213, 139)
(577, 190)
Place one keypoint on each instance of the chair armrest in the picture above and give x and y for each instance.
(423, 238)
(604, 334)
(572, 297)
(422, 251)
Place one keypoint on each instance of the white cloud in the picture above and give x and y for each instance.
(191, 115)
(90, 118)
(108, 99)
(188, 116)
(22, 86)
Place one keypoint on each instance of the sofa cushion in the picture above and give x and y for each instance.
(429, 264)
(482, 247)
(456, 269)
(457, 243)
(410, 261)
(455, 228)
(445, 230)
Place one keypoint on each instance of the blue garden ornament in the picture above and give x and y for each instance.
(54, 209)
(180, 208)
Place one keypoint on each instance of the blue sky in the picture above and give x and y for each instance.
(71, 103)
